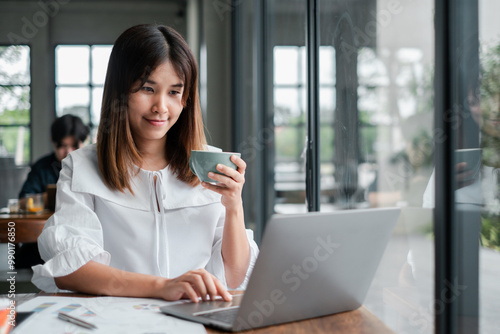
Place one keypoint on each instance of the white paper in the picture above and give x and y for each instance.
(109, 314)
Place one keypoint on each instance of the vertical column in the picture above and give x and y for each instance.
(313, 158)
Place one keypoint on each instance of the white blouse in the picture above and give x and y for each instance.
(130, 231)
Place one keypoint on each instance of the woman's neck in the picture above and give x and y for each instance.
(154, 156)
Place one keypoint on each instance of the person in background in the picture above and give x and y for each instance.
(68, 133)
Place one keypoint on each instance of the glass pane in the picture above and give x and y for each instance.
(289, 77)
(327, 65)
(376, 144)
(327, 104)
(96, 104)
(73, 101)
(15, 65)
(14, 105)
(290, 168)
(485, 110)
(287, 105)
(14, 146)
(287, 65)
(371, 70)
(100, 58)
(72, 64)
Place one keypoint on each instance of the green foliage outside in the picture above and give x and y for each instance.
(489, 103)
(490, 231)
(15, 104)
(490, 140)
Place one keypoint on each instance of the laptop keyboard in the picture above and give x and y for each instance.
(228, 316)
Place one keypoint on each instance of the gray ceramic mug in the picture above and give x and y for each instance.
(203, 162)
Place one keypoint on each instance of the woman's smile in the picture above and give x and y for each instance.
(157, 122)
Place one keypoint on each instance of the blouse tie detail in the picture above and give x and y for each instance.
(161, 240)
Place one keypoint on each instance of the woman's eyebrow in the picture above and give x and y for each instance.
(177, 85)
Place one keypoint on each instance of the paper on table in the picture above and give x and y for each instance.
(109, 314)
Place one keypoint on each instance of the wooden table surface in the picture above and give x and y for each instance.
(28, 226)
(352, 322)
(359, 321)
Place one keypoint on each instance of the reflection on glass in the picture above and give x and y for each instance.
(376, 139)
(15, 65)
(73, 101)
(485, 109)
(72, 64)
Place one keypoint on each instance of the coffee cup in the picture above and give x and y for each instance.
(203, 162)
(472, 157)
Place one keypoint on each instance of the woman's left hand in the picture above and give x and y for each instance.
(229, 185)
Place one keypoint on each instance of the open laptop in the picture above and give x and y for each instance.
(309, 265)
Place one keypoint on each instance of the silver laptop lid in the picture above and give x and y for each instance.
(315, 264)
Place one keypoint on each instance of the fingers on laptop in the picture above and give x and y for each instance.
(199, 283)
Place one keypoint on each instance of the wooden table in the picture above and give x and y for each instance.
(28, 226)
(354, 322)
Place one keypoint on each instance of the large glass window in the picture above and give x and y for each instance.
(375, 123)
(15, 80)
(408, 116)
(381, 137)
(80, 74)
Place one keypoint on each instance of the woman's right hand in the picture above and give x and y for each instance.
(193, 285)
(100, 279)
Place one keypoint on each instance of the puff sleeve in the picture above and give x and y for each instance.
(71, 237)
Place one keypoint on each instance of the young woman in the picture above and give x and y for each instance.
(131, 219)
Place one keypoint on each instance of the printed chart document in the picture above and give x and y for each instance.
(109, 314)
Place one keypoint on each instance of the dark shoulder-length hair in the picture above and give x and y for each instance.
(136, 54)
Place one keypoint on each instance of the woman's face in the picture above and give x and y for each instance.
(155, 107)
(490, 108)
(486, 113)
